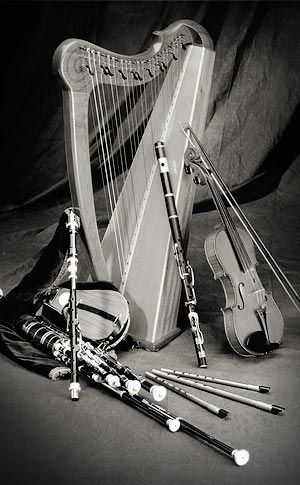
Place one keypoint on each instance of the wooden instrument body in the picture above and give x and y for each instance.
(244, 292)
(103, 314)
(148, 277)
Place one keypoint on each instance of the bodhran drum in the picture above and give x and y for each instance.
(103, 313)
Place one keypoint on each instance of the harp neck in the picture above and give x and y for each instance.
(75, 61)
(115, 108)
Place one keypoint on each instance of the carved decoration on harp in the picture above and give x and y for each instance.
(115, 108)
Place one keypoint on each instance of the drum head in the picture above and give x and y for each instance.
(103, 314)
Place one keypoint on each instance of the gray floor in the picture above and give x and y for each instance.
(46, 438)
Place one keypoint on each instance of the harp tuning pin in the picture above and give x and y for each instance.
(83, 67)
(162, 66)
(150, 73)
(136, 76)
(123, 75)
(106, 70)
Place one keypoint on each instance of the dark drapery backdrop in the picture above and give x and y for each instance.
(251, 129)
(253, 113)
(252, 135)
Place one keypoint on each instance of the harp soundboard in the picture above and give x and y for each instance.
(115, 108)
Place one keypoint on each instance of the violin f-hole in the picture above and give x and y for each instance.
(241, 307)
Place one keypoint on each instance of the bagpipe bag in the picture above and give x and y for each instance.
(23, 301)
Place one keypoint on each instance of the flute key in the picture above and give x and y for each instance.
(185, 270)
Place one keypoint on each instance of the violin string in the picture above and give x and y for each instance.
(231, 230)
(242, 254)
(282, 278)
(239, 247)
(287, 286)
(223, 142)
(211, 172)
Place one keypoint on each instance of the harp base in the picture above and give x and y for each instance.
(158, 344)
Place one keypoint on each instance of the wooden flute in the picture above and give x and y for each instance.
(184, 268)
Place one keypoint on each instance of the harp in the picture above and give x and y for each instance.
(115, 108)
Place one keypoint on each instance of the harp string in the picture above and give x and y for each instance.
(95, 143)
(132, 207)
(122, 215)
(152, 94)
(142, 126)
(135, 124)
(126, 97)
(104, 149)
(120, 113)
(113, 183)
(126, 205)
(97, 137)
(121, 143)
(156, 89)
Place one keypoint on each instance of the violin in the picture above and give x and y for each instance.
(252, 320)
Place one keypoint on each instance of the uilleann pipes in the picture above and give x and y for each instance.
(175, 423)
(92, 361)
(118, 381)
(73, 328)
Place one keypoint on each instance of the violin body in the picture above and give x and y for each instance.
(250, 312)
